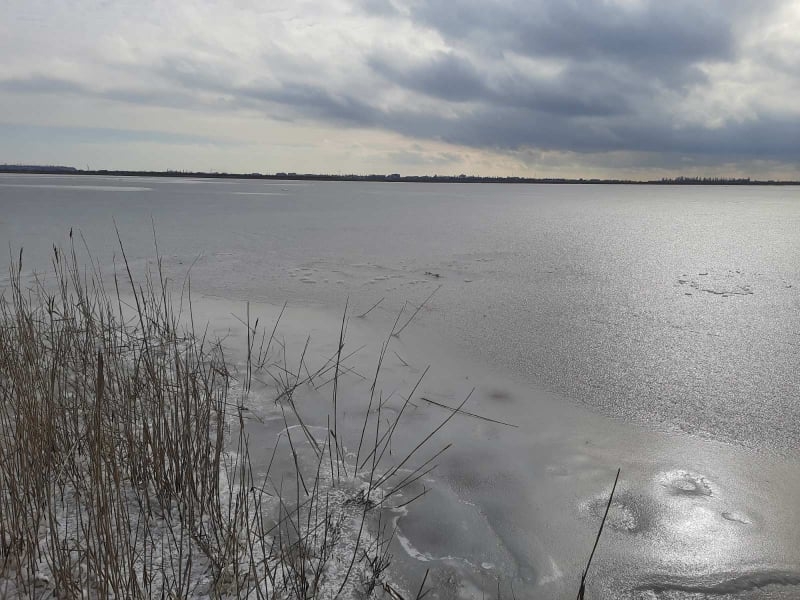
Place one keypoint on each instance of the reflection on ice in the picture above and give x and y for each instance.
(526, 501)
(516, 509)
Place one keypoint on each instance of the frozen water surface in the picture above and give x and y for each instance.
(649, 328)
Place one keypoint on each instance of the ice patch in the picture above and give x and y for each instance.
(411, 550)
(419, 555)
(622, 517)
(724, 584)
(555, 573)
(736, 517)
(629, 513)
(722, 284)
(685, 483)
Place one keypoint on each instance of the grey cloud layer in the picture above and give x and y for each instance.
(625, 69)
(587, 77)
(651, 34)
(95, 135)
(622, 73)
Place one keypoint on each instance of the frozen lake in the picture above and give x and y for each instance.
(647, 327)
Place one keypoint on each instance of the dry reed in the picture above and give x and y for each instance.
(125, 464)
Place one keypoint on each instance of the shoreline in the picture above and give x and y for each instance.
(395, 178)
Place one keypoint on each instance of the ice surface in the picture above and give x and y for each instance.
(521, 505)
(567, 310)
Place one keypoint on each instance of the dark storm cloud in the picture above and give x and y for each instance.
(652, 33)
(764, 137)
(577, 91)
(513, 127)
(624, 67)
(443, 75)
(653, 41)
(316, 101)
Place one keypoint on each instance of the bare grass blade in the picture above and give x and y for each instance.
(582, 589)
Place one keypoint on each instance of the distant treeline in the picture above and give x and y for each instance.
(393, 177)
(37, 169)
(711, 181)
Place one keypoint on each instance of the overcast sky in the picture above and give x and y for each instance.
(614, 88)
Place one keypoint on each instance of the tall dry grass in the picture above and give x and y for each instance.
(125, 464)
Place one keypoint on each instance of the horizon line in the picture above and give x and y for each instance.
(390, 177)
